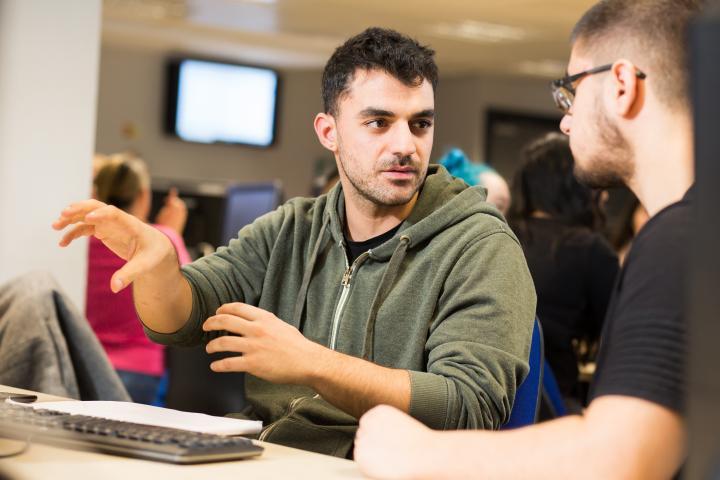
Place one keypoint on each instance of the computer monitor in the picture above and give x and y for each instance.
(221, 102)
(206, 208)
(216, 211)
(245, 203)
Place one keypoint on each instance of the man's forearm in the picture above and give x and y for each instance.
(355, 385)
(619, 437)
(163, 298)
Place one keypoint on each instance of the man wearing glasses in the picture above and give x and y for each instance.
(627, 112)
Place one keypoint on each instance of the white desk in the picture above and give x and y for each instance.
(276, 462)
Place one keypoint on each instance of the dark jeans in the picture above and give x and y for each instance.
(141, 387)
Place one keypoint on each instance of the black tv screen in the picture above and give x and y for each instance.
(218, 102)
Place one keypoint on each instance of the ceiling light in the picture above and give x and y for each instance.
(479, 31)
(543, 68)
(151, 9)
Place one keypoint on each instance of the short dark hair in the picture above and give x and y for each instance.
(653, 30)
(545, 183)
(377, 49)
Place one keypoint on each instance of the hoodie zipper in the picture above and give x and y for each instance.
(345, 284)
(291, 408)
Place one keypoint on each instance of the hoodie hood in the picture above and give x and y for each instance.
(443, 202)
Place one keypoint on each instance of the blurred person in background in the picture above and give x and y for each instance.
(122, 180)
(632, 218)
(460, 166)
(572, 265)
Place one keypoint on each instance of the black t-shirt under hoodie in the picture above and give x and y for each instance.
(355, 249)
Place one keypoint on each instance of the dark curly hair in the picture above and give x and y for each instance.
(545, 183)
(377, 49)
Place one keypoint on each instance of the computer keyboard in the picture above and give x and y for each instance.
(120, 438)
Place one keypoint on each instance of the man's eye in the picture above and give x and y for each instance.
(423, 124)
(377, 123)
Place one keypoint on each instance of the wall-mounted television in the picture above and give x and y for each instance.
(220, 102)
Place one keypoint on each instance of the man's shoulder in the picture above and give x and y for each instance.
(298, 208)
(666, 235)
(481, 230)
(653, 276)
(488, 223)
(301, 204)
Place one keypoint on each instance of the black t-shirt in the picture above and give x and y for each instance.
(574, 270)
(354, 249)
(643, 346)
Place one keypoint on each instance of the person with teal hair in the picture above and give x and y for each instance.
(472, 173)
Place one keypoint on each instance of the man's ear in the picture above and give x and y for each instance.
(326, 130)
(628, 89)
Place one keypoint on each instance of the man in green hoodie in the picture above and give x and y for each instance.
(401, 286)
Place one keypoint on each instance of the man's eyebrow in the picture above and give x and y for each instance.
(429, 113)
(379, 112)
(375, 112)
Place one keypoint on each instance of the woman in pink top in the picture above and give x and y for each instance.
(122, 180)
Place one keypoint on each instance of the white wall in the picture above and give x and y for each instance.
(132, 89)
(48, 84)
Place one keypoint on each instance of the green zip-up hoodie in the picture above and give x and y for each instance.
(449, 298)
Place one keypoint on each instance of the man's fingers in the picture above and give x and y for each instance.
(229, 323)
(82, 230)
(230, 364)
(76, 212)
(243, 310)
(109, 220)
(228, 343)
(128, 273)
(110, 213)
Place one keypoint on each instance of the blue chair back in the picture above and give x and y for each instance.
(551, 394)
(527, 397)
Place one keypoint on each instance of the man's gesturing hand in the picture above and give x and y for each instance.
(271, 349)
(143, 246)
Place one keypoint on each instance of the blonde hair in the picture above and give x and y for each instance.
(121, 179)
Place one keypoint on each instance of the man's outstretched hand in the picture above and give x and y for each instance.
(142, 246)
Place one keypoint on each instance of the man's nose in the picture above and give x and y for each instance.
(565, 124)
(403, 141)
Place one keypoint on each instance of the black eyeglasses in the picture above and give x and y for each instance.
(563, 89)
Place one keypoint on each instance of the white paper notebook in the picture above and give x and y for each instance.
(149, 415)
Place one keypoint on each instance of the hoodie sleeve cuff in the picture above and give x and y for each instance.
(188, 335)
(429, 399)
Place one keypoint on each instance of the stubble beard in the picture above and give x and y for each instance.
(370, 187)
(611, 163)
